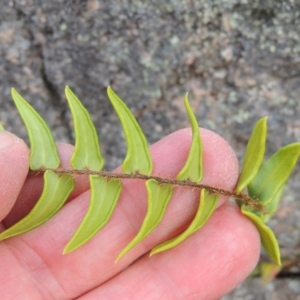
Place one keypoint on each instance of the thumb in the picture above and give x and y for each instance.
(14, 163)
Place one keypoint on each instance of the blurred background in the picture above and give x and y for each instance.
(239, 61)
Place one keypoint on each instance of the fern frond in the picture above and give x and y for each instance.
(264, 183)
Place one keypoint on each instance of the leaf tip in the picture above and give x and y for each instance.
(118, 257)
(68, 248)
(14, 93)
(110, 92)
(65, 251)
(68, 91)
(122, 253)
(109, 89)
(186, 99)
(154, 251)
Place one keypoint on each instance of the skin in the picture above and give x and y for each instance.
(208, 265)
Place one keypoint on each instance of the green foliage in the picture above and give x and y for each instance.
(267, 185)
(267, 236)
(192, 169)
(159, 195)
(205, 209)
(264, 183)
(57, 189)
(138, 158)
(104, 196)
(158, 199)
(274, 173)
(254, 155)
(84, 157)
(272, 206)
(268, 271)
(43, 151)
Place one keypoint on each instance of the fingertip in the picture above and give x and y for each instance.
(14, 164)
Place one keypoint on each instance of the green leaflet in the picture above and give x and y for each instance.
(272, 206)
(254, 154)
(57, 189)
(274, 173)
(84, 157)
(158, 199)
(268, 271)
(1, 127)
(43, 153)
(104, 196)
(192, 169)
(138, 158)
(205, 209)
(267, 236)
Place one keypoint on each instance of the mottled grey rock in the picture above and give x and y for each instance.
(239, 60)
(279, 289)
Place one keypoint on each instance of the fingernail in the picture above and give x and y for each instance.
(6, 140)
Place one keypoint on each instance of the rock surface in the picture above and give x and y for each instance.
(239, 60)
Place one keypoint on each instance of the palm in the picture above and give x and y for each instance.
(206, 266)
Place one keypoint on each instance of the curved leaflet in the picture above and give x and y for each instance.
(254, 154)
(274, 173)
(272, 206)
(57, 189)
(87, 149)
(267, 236)
(158, 199)
(138, 158)
(192, 169)
(1, 127)
(43, 152)
(268, 271)
(206, 208)
(104, 196)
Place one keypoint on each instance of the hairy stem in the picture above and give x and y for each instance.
(187, 183)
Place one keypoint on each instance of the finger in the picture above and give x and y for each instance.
(207, 266)
(14, 168)
(78, 271)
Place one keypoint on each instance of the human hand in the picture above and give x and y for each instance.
(207, 265)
